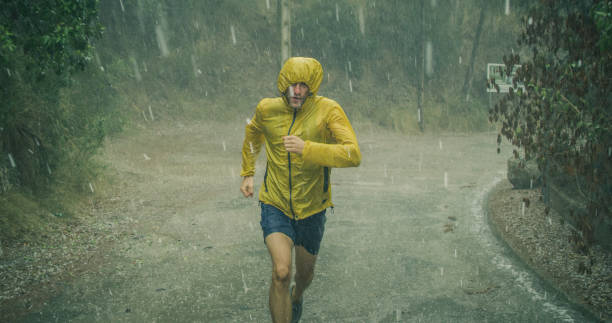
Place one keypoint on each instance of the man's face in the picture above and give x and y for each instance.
(296, 94)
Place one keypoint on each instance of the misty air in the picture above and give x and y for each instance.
(305, 161)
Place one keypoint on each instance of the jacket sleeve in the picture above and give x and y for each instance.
(345, 153)
(253, 139)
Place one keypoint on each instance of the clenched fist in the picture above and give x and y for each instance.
(293, 144)
(247, 186)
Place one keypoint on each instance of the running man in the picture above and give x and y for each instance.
(305, 136)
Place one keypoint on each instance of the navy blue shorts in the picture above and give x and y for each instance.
(307, 233)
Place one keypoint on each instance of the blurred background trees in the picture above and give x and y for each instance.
(43, 43)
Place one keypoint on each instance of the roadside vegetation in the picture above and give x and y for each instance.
(562, 119)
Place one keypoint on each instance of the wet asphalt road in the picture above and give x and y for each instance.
(408, 240)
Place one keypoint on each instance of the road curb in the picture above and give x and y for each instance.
(498, 219)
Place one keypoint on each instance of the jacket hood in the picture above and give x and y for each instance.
(301, 69)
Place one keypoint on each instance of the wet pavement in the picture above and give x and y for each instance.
(407, 241)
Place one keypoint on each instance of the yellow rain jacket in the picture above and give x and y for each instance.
(299, 185)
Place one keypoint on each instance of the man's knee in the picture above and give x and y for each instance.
(304, 272)
(281, 274)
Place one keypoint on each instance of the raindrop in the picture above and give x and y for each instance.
(507, 8)
(233, 34)
(291, 91)
(268, 4)
(151, 114)
(196, 70)
(398, 315)
(302, 32)
(461, 283)
(31, 151)
(37, 142)
(248, 120)
(388, 77)
(244, 285)
(434, 3)
(337, 13)
(350, 85)
(460, 59)
(419, 114)
(8, 71)
(428, 58)
(523, 208)
(146, 157)
(440, 142)
(12, 160)
(122, 7)
(251, 146)
(361, 21)
(49, 169)
(91, 187)
(144, 116)
(161, 41)
(385, 169)
(530, 21)
(609, 151)
(349, 66)
(455, 252)
(441, 271)
(579, 63)
(224, 148)
(445, 179)
(136, 71)
(549, 221)
(531, 183)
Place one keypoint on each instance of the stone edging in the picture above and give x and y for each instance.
(541, 241)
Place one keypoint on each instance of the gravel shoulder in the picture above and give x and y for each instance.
(541, 240)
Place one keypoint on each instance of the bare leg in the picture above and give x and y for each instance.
(279, 246)
(304, 271)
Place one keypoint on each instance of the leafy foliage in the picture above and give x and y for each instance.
(563, 118)
(42, 44)
(49, 35)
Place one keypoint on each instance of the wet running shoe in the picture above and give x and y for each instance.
(296, 309)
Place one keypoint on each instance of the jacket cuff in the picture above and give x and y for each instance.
(247, 173)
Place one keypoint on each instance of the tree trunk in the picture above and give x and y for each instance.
(285, 26)
(469, 75)
(421, 63)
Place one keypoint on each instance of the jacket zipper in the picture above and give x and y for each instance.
(289, 158)
(325, 179)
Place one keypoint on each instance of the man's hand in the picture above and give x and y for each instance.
(293, 144)
(247, 186)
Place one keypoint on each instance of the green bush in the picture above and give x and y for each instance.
(563, 118)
